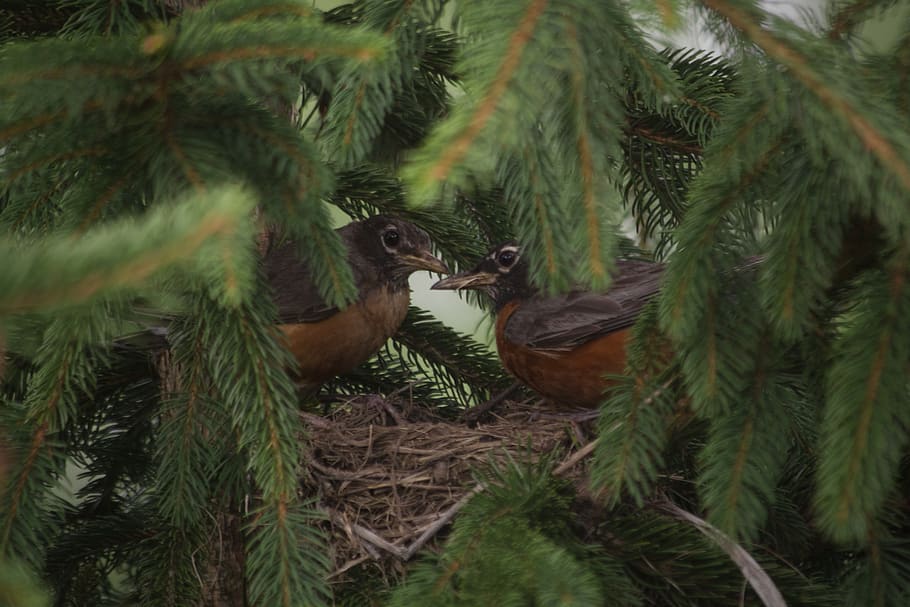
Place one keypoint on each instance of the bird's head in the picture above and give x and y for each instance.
(391, 248)
(502, 274)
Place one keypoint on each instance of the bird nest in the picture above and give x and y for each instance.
(391, 476)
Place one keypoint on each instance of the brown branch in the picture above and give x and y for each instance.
(24, 126)
(700, 106)
(473, 415)
(670, 142)
(800, 66)
(192, 175)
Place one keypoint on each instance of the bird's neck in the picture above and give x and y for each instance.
(506, 294)
(373, 279)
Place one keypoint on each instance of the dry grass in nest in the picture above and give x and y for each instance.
(390, 481)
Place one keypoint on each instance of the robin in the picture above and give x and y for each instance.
(562, 346)
(383, 252)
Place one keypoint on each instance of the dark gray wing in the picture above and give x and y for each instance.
(293, 289)
(567, 321)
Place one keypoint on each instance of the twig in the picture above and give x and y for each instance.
(441, 522)
(575, 458)
(349, 565)
(760, 581)
(399, 420)
(430, 531)
(473, 415)
(404, 554)
(370, 536)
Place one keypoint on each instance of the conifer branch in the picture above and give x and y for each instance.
(338, 281)
(366, 85)
(62, 374)
(190, 172)
(273, 10)
(487, 104)
(305, 52)
(15, 496)
(636, 411)
(109, 193)
(36, 203)
(873, 139)
(850, 15)
(585, 158)
(169, 237)
(760, 581)
(702, 226)
(866, 391)
(541, 212)
(674, 143)
(52, 158)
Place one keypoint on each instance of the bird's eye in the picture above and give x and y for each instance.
(391, 238)
(507, 258)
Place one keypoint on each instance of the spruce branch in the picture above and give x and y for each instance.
(63, 374)
(362, 99)
(851, 14)
(237, 11)
(467, 369)
(167, 237)
(866, 392)
(450, 148)
(872, 137)
(285, 558)
(520, 509)
(585, 158)
(745, 454)
(720, 190)
(638, 413)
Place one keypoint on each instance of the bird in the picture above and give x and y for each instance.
(326, 341)
(561, 346)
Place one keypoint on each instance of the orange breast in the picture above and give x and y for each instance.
(574, 377)
(339, 343)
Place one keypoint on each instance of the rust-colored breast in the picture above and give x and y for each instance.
(344, 340)
(573, 377)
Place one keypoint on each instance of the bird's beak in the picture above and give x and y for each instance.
(466, 280)
(424, 260)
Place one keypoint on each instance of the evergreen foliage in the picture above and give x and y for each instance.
(517, 530)
(145, 143)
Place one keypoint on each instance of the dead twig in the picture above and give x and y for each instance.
(576, 457)
(760, 581)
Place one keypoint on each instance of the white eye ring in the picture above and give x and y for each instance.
(506, 258)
